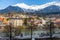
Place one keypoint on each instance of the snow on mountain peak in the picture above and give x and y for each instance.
(22, 5)
(36, 7)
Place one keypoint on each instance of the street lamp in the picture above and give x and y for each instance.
(31, 32)
(51, 28)
(10, 26)
(31, 27)
(10, 35)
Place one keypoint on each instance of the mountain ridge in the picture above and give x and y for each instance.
(46, 8)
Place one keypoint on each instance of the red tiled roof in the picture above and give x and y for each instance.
(57, 22)
(1, 19)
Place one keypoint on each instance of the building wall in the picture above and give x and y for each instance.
(16, 22)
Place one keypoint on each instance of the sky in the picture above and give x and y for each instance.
(6, 3)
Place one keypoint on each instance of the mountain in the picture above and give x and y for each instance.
(12, 9)
(36, 7)
(51, 7)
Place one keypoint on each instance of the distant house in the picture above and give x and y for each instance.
(3, 21)
(37, 22)
(57, 22)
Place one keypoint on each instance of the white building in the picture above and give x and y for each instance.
(16, 22)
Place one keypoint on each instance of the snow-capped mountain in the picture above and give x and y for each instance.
(36, 7)
(52, 8)
(45, 8)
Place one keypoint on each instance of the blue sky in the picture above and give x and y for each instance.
(6, 3)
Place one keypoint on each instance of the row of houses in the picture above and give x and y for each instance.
(19, 20)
